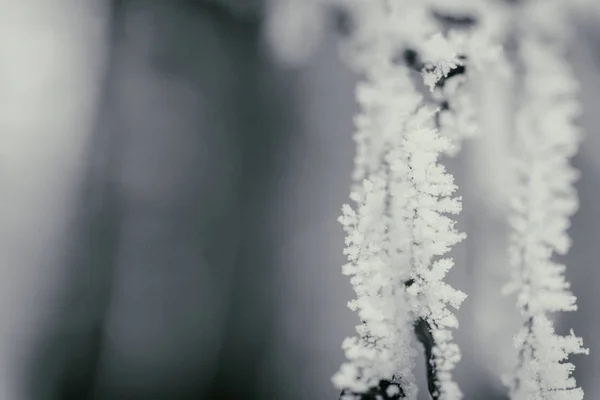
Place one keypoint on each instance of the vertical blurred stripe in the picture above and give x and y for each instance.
(52, 59)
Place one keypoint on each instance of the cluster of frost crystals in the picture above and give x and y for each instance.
(545, 198)
(414, 27)
(484, 57)
(441, 57)
(460, 120)
(478, 50)
(399, 228)
(382, 351)
(429, 198)
(379, 265)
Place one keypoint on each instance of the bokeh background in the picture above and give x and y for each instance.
(171, 172)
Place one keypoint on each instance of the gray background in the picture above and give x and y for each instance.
(170, 194)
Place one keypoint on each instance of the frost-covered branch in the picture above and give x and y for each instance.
(399, 231)
(545, 198)
(379, 266)
(400, 227)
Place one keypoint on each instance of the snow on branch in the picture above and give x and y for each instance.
(544, 200)
(378, 264)
(400, 229)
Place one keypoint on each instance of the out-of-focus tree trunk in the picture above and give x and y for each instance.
(169, 289)
(52, 55)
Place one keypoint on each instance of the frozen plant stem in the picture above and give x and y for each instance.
(424, 335)
(396, 235)
(400, 230)
(543, 202)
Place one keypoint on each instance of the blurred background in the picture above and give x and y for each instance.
(171, 174)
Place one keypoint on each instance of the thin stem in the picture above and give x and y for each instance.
(381, 392)
(423, 332)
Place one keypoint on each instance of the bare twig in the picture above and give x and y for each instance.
(423, 332)
(385, 391)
